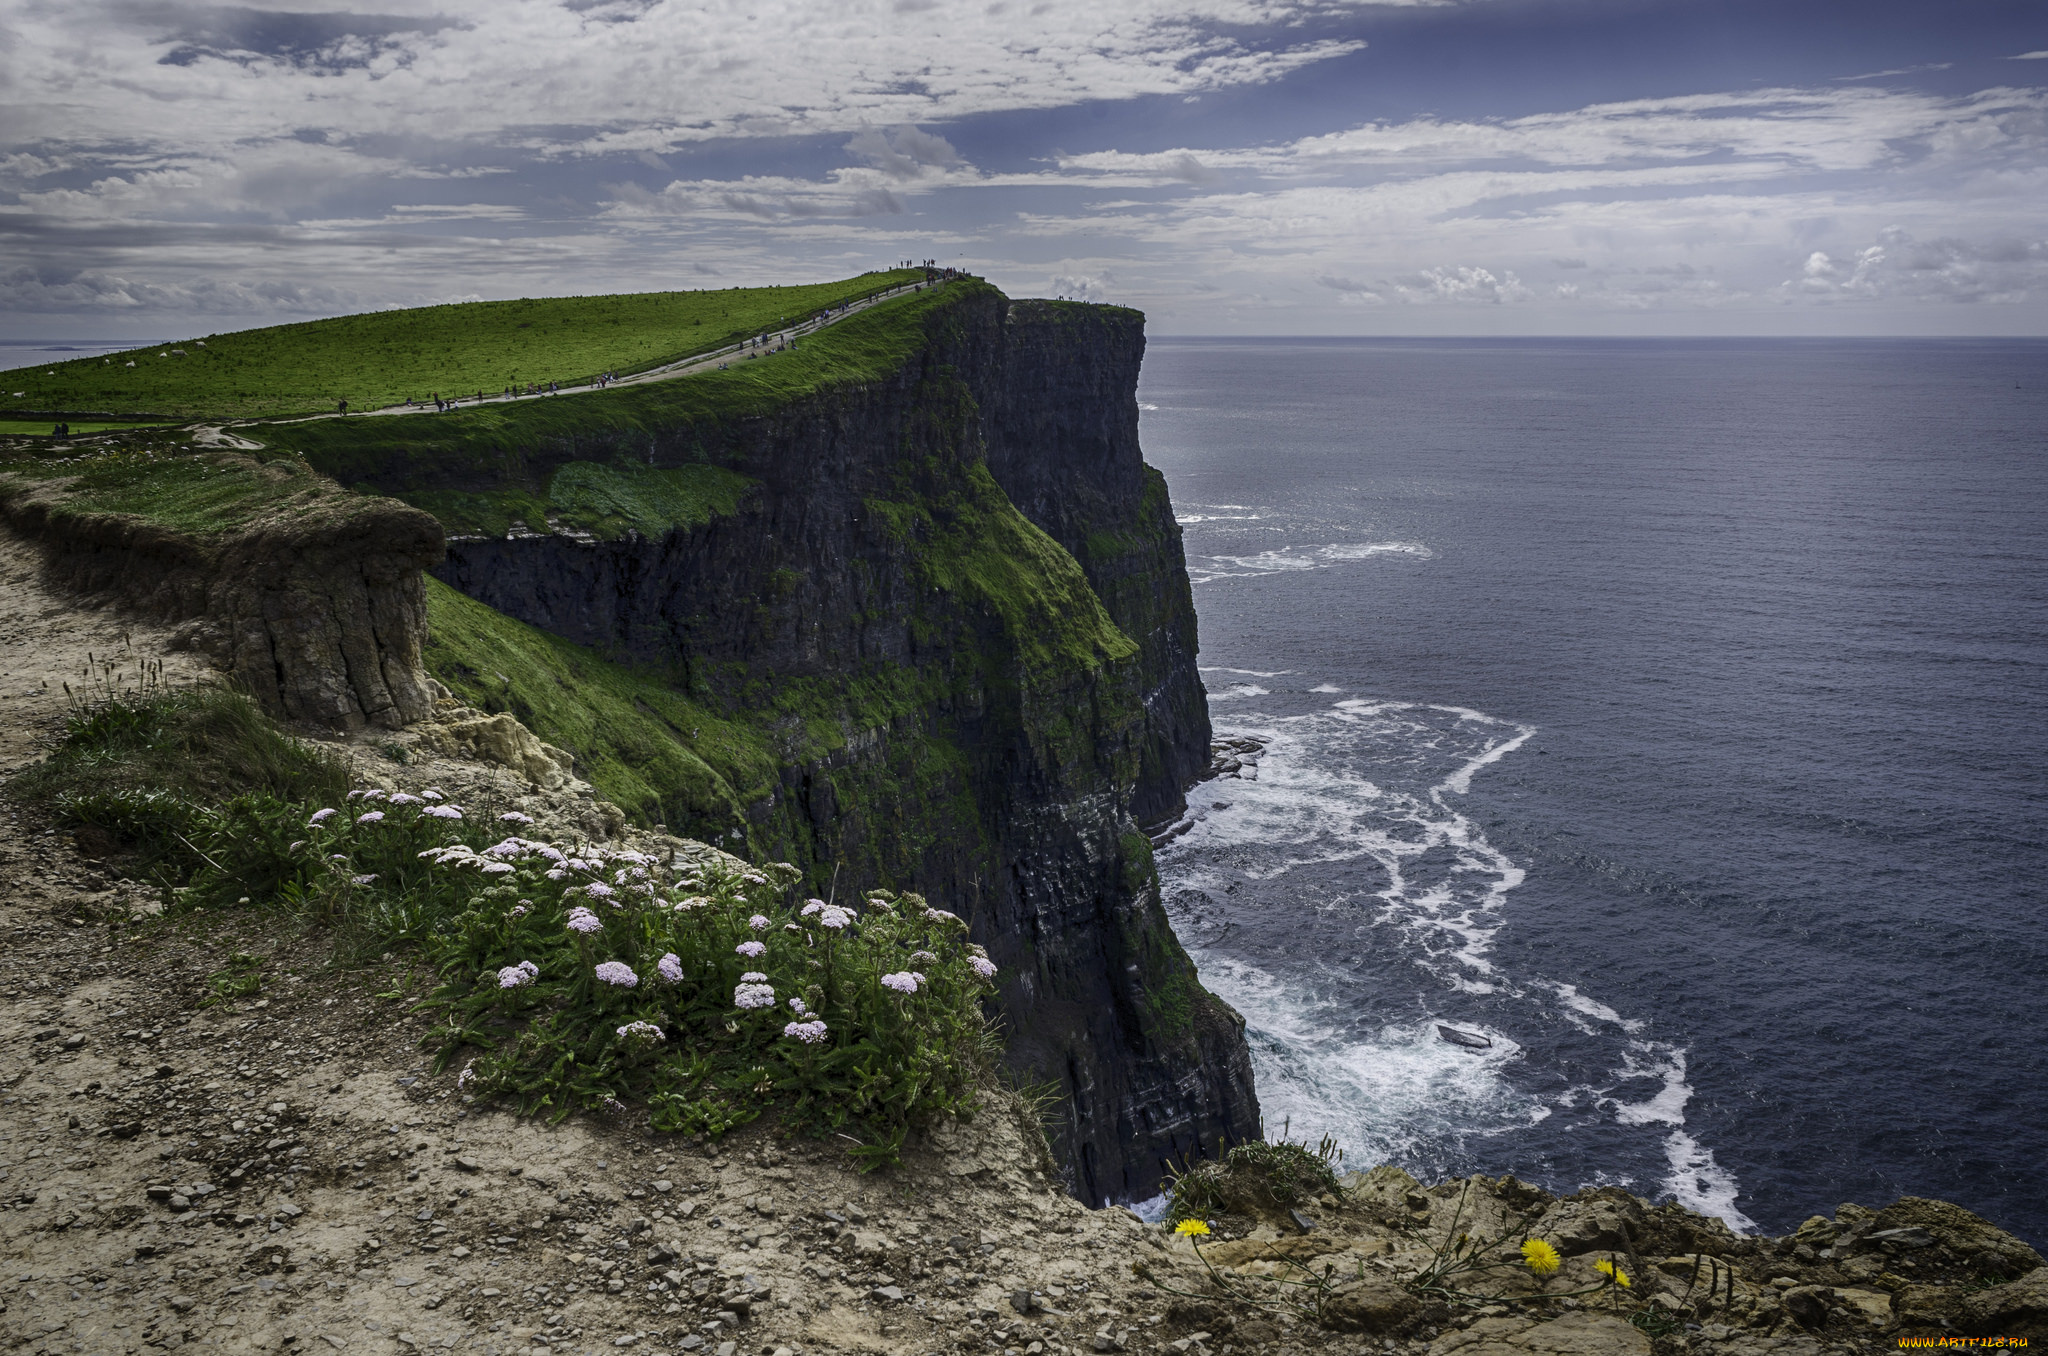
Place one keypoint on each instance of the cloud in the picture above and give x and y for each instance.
(904, 152)
(1463, 284)
(1081, 286)
(2041, 55)
(579, 79)
(1999, 271)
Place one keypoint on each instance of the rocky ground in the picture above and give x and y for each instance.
(187, 1159)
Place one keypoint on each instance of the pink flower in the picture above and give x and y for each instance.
(753, 996)
(373, 817)
(810, 1033)
(583, 920)
(617, 972)
(758, 922)
(750, 949)
(362, 880)
(645, 1032)
(514, 817)
(983, 966)
(518, 976)
(831, 916)
(598, 889)
(903, 981)
(670, 968)
(321, 816)
(443, 811)
(812, 906)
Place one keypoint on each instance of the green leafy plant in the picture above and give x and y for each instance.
(241, 977)
(1255, 1178)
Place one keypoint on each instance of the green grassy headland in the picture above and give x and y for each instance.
(387, 357)
(482, 469)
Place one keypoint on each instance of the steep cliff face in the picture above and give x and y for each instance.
(957, 707)
(1061, 422)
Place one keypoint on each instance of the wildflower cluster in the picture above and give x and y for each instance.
(587, 977)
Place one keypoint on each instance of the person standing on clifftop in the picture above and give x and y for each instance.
(344, 407)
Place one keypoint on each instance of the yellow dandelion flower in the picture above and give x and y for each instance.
(1541, 1257)
(1191, 1228)
(1611, 1272)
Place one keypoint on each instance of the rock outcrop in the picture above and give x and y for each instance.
(957, 599)
(317, 610)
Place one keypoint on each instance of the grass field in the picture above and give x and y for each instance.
(481, 469)
(40, 428)
(388, 357)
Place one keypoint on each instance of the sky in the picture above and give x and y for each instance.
(1232, 167)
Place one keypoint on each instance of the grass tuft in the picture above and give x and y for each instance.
(1256, 1179)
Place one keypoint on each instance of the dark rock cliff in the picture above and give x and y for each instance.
(958, 706)
(1061, 421)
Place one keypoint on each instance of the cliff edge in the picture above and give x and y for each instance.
(952, 598)
(902, 605)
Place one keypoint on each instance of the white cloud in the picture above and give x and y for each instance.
(640, 76)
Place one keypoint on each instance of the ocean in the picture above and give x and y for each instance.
(1671, 714)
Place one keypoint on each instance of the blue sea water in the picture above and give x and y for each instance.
(1673, 713)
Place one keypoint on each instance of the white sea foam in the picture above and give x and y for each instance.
(1152, 1209)
(1239, 690)
(1249, 673)
(1294, 559)
(1697, 1182)
(1326, 687)
(1369, 786)
(1667, 1107)
(1387, 1096)
(1569, 995)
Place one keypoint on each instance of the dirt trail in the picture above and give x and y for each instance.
(283, 1172)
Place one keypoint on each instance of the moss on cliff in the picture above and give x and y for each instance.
(649, 748)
